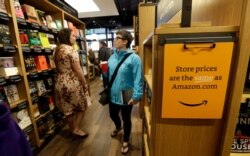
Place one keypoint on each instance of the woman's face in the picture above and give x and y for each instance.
(72, 38)
(120, 42)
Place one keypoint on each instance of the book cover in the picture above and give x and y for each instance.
(11, 93)
(52, 41)
(32, 88)
(40, 87)
(18, 9)
(3, 7)
(36, 110)
(30, 13)
(3, 97)
(23, 35)
(50, 124)
(41, 127)
(21, 116)
(34, 40)
(51, 61)
(50, 22)
(65, 23)
(51, 103)
(43, 104)
(44, 40)
(6, 62)
(30, 64)
(241, 141)
(5, 37)
(59, 24)
(41, 17)
(127, 95)
(41, 62)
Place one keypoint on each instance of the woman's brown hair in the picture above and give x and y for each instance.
(63, 38)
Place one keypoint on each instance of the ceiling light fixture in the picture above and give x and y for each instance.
(83, 5)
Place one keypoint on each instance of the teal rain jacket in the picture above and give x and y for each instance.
(128, 76)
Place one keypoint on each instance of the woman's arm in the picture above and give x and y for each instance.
(78, 69)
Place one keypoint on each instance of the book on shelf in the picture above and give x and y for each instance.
(44, 40)
(41, 62)
(51, 61)
(32, 88)
(3, 97)
(242, 132)
(48, 83)
(59, 24)
(23, 35)
(30, 64)
(18, 9)
(6, 62)
(50, 22)
(41, 17)
(11, 93)
(65, 23)
(21, 116)
(50, 124)
(40, 87)
(30, 13)
(5, 37)
(2, 7)
(7, 66)
(52, 41)
(51, 102)
(36, 110)
(41, 127)
(43, 104)
(34, 40)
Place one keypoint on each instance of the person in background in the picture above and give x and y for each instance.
(70, 86)
(103, 55)
(13, 141)
(129, 77)
(91, 56)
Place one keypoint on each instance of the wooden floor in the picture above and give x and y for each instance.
(99, 125)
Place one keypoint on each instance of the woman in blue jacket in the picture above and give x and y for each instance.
(128, 82)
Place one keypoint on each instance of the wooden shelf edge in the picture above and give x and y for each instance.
(147, 116)
(148, 39)
(199, 29)
(145, 143)
(148, 79)
(239, 154)
(14, 104)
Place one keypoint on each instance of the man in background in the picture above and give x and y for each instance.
(103, 55)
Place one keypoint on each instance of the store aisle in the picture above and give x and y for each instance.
(99, 126)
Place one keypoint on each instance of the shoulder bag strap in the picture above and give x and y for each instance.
(116, 70)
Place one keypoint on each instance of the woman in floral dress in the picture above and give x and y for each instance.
(70, 86)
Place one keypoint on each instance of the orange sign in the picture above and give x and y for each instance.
(195, 80)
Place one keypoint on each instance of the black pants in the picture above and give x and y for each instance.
(114, 110)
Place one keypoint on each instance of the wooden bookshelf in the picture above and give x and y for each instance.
(19, 56)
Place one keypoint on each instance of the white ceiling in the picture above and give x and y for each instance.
(107, 8)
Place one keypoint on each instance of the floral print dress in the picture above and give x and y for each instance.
(70, 96)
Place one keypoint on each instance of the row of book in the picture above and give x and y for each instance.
(34, 39)
(33, 15)
(32, 63)
(40, 62)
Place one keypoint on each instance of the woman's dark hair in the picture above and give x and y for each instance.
(64, 36)
(103, 43)
(126, 35)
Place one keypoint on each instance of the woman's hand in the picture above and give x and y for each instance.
(133, 102)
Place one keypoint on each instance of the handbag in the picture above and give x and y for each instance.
(105, 94)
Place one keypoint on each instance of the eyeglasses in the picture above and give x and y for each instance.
(117, 38)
